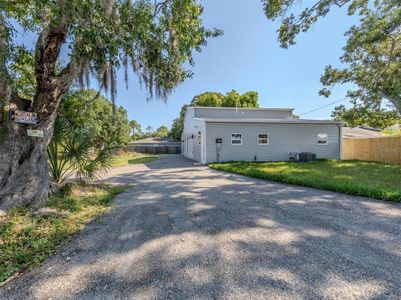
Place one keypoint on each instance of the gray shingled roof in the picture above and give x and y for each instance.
(360, 132)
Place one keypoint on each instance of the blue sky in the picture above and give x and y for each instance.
(248, 57)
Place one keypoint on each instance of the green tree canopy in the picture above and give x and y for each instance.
(178, 124)
(162, 132)
(136, 130)
(149, 132)
(360, 115)
(249, 99)
(211, 99)
(87, 133)
(372, 54)
(155, 40)
(214, 99)
(232, 99)
(87, 111)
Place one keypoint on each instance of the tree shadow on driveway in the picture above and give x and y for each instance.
(184, 231)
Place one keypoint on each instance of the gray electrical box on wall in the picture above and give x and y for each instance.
(219, 142)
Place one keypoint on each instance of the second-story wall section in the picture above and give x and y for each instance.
(242, 113)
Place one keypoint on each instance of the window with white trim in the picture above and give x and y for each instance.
(263, 139)
(322, 138)
(236, 138)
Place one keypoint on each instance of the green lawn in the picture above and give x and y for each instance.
(130, 158)
(26, 240)
(360, 178)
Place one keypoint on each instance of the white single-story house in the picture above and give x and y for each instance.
(213, 134)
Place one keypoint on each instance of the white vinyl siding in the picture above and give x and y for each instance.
(283, 138)
(197, 144)
(192, 145)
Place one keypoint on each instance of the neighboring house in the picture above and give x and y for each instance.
(361, 132)
(255, 134)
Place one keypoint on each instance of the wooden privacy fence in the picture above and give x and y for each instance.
(380, 149)
(155, 149)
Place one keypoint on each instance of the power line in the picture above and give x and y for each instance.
(324, 106)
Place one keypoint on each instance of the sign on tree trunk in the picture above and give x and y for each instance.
(23, 117)
(36, 133)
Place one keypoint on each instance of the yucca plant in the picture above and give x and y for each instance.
(73, 151)
(70, 151)
(100, 161)
(59, 165)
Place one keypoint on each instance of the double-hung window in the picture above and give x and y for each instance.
(236, 138)
(263, 139)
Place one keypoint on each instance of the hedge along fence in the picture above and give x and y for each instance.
(380, 149)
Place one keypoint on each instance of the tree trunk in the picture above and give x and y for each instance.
(24, 179)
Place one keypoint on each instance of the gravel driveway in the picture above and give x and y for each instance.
(186, 231)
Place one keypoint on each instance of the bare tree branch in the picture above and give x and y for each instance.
(69, 72)
(159, 6)
(47, 53)
(47, 50)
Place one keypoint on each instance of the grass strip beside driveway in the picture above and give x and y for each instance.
(26, 240)
(130, 158)
(369, 179)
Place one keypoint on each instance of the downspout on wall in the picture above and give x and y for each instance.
(204, 146)
(340, 141)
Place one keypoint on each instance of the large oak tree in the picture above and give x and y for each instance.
(372, 55)
(153, 39)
